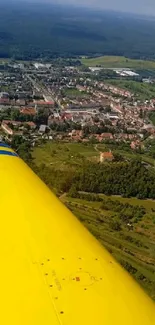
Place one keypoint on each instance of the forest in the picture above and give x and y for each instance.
(48, 31)
(128, 179)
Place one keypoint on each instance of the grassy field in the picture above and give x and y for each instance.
(118, 62)
(62, 155)
(139, 89)
(128, 155)
(73, 93)
(134, 249)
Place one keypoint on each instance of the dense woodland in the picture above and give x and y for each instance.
(121, 178)
(128, 179)
(46, 31)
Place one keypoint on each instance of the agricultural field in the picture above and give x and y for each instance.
(118, 62)
(133, 248)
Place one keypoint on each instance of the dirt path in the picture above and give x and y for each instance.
(62, 196)
(96, 148)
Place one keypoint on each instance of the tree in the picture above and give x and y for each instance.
(118, 157)
(141, 113)
(41, 117)
(15, 115)
(17, 140)
(115, 224)
(73, 192)
(24, 152)
(22, 147)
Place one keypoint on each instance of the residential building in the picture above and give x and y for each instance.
(106, 156)
(6, 128)
(28, 111)
(42, 128)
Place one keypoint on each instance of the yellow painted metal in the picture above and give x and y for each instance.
(8, 149)
(52, 270)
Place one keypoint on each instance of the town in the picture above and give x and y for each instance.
(44, 101)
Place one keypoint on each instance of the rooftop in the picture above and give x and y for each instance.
(28, 111)
(106, 154)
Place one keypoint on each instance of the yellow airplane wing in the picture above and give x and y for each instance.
(52, 270)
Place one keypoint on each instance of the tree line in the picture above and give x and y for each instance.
(128, 179)
(40, 118)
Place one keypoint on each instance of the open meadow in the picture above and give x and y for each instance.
(118, 62)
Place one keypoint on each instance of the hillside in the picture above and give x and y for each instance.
(118, 62)
(134, 248)
(29, 31)
(125, 226)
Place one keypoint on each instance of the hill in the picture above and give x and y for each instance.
(30, 31)
(118, 62)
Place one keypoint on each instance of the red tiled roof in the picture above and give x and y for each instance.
(32, 124)
(66, 116)
(4, 100)
(28, 111)
(43, 102)
(107, 135)
(107, 154)
(17, 123)
(11, 122)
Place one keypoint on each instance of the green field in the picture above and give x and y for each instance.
(62, 155)
(134, 249)
(73, 92)
(139, 89)
(128, 154)
(118, 62)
